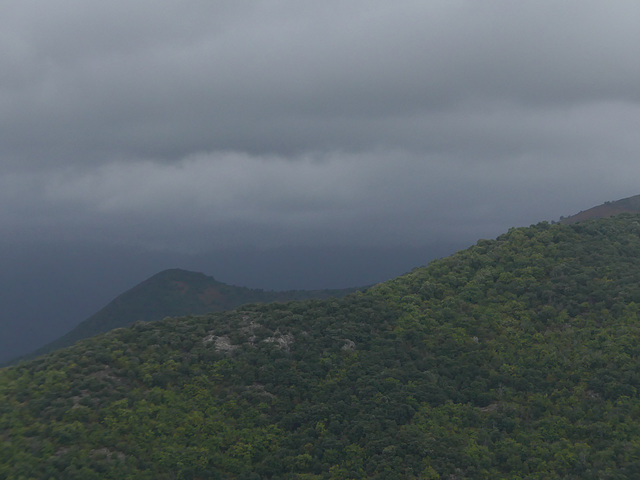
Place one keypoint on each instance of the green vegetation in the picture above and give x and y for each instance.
(173, 293)
(517, 358)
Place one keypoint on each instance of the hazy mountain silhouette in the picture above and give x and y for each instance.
(175, 292)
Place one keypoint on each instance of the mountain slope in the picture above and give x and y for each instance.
(516, 358)
(606, 210)
(172, 293)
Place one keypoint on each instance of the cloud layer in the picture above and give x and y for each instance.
(190, 125)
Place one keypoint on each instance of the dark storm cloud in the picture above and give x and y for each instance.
(181, 124)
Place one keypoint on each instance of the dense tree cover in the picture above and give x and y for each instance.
(173, 293)
(517, 358)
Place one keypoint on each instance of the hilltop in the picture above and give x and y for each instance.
(171, 293)
(606, 210)
(516, 358)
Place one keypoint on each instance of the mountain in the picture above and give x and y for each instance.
(607, 209)
(171, 293)
(516, 358)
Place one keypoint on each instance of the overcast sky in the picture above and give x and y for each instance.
(194, 125)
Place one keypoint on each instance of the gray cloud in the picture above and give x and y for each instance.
(220, 200)
(360, 122)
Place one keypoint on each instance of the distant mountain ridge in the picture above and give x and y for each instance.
(606, 210)
(171, 293)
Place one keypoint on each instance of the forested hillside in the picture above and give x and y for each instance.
(176, 292)
(516, 358)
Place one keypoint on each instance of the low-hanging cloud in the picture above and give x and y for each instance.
(188, 124)
(223, 199)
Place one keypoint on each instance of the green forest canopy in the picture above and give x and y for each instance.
(516, 358)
